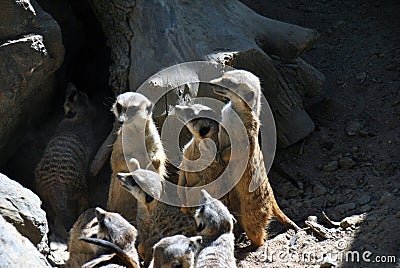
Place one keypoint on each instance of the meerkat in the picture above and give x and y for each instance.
(141, 139)
(60, 176)
(155, 219)
(85, 226)
(203, 127)
(175, 251)
(215, 226)
(117, 235)
(253, 209)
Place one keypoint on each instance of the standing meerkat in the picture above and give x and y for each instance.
(215, 225)
(253, 209)
(204, 132)
(155, 219)
(175, 251)
(60, 176)
(137, 138)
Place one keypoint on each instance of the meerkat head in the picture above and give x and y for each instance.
(132, 106)
(177, 251)
(203, 126)
(77, 103)
(239, 86)
(213, 217)
(111, 225)
(144, 185)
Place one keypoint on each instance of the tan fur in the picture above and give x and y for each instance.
(114, 228)
(155, 219)
(80, 252)
(192, 151)
(215, 225)
(120, 200)
(98, 223)
(60, 176)
(174, 251)
(252, 210)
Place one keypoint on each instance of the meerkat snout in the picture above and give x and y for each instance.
(131, 105)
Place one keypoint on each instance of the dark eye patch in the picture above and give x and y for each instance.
(149, 198)
(204, 131)
(119, 107)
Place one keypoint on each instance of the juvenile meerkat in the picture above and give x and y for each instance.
(140, 140)
(175, 251)
(215, 225)
(155, 219)
(118, 236)
(60, 176)
(204, 132)
(253, 209)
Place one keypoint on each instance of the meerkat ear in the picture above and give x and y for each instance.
(71, 92)
(195, 242)
(100, 214)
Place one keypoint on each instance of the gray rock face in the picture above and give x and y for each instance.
(21, 207)
(16, 250)
(31, 51)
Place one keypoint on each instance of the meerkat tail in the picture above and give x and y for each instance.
(104, 151)
(279, 215)
(118, 251)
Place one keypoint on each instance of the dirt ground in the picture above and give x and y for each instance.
(350, 164)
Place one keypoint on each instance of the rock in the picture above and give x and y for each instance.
(16, 250)
(364, 199)
(328, 262)
(331, 166)
(21, 207)
(361, 76)
(30, 55)
(346, 162)
(386, 197)
(345, 207)
(284, 203)
(366, 208)
(354, 220)
(312, 218)
(363, 133)
(16, 18)
(319, 189)
(353, 128)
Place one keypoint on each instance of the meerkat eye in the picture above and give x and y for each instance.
(149, 198)
(119, 108)
(201, 227)
(204, 131)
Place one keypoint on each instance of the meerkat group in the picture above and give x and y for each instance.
(137, 224)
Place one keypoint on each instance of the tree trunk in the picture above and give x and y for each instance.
(146, 36)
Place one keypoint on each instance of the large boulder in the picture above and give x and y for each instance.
(16, 250)
(21, 207)
(31, 50)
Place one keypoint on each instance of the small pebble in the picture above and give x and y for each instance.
(319, 189)
(353, 128)
(346, 162)
(364, 199)
(331, 166)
